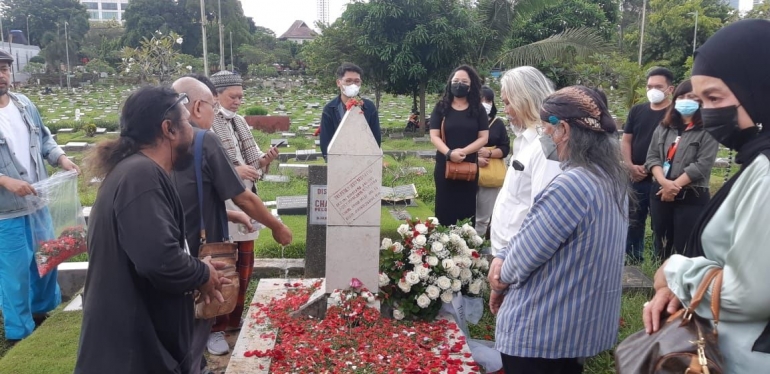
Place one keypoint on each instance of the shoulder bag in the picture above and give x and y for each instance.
(685, 344)
(221, 252)
(492, 175)
(462, 171)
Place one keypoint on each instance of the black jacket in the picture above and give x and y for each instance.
(331, 118)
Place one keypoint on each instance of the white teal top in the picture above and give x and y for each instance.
(737, 239)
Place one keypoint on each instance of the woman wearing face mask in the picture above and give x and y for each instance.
(497, 148)
(559, 290)
(466, 126)
(529, 171)
(730, 77)
(680, 159)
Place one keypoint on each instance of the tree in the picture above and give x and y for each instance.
(157, 56)
(417, 41)
(44, 15)
(103, 42)
(144, 17)
(233, 20)
(670, 29)
(561, 31)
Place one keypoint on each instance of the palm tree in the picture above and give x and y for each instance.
(500, 15)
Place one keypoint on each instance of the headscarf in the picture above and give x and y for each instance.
(733, 54)
(578, 105)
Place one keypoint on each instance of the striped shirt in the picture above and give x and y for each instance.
(564, 267)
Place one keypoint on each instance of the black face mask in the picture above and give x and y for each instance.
(460, 89)
(722, 124)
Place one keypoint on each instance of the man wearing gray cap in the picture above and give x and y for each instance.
(250, 163)
(25, 144)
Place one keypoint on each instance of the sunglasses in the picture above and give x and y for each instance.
(181, 99)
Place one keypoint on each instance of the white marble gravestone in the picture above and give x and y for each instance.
(353, 212)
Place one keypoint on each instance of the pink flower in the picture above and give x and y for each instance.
(355, 283)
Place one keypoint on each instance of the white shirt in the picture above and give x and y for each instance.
(520, 187)
(17, 135)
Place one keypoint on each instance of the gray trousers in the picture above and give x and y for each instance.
(200, 337)
(485, 203)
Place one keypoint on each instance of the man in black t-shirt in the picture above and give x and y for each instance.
(220, 183)
(637, 135)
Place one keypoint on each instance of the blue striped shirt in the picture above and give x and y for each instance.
(564, 267)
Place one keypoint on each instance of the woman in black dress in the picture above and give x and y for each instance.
(466, 130)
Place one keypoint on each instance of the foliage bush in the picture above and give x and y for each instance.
(90, 129)
(37, 59)
(255, 111)
(80, 125)
(263, 71)
(98, 66)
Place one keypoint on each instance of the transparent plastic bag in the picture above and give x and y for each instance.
(57, 224)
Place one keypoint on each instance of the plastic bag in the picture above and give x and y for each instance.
(58, 226)
(464, 309)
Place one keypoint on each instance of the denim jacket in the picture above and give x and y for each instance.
(42, 147)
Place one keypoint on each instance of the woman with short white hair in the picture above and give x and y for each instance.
(523, 91)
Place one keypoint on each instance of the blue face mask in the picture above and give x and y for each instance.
(686, 107)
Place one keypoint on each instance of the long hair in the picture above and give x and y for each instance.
(140, 126)
(673, 118)
(489, 95)
(474, 94)
(526, 88)
(599, 153)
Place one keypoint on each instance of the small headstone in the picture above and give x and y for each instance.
(288, 134)
(103, 75)
(275, 178)
(65, 131)
(276, 142)
(303, 128)
(317, 142)
(291, 205)
(722, 163)
(316, 125)
(307, 155)
(399, 193)
(77, 114)
(426, 154)
(421, 139)
(101, 130)
(635, 280)
(396, 135)
(75, 305)
(417, 170)
(75, 147)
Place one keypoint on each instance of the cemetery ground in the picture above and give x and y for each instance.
(53, 347)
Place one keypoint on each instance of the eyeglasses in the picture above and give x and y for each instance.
(182, 99)
(215, 106)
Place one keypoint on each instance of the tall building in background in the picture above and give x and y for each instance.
(105, 10)
(323, 11)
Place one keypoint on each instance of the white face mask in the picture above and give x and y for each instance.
(655, 96)
(488, 107)
(227, 114)
(351, 90)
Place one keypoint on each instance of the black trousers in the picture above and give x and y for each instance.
(531, 365)
(674, 221)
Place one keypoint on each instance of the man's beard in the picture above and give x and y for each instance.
(4, 91)
(183, 156)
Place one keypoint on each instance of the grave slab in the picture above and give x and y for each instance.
(65, 131)
(315, 243)
(307, 155)
(275, 178)
(276, 142)
(635, 280)
(291, 205)
(288, 134)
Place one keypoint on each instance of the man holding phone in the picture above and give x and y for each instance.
(250, 163)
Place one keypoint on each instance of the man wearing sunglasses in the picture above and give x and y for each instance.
(220, 182)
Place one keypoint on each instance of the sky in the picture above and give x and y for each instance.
(278, 15)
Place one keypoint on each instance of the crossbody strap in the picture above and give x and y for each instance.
(198, 155)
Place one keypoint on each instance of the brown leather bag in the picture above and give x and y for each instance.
(685, 344)
(462, 171)
(227, 253)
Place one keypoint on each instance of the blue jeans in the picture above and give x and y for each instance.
(638, 221)
(22, 291)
